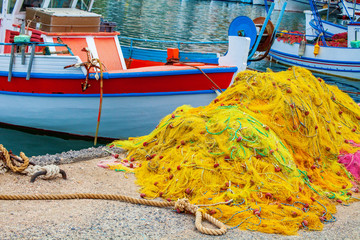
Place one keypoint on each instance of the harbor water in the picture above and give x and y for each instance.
(183, 20)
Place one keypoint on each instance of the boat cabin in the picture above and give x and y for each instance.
(67, 22)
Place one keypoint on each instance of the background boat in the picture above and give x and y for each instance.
(302, 5)
(339, 57)
(347, 9)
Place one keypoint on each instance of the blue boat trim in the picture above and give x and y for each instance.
(314, 59)
(335, 25)
(122, 74)
(44, 75)
(171, 73)
(109, 95)
(312, 24)
(307, 66)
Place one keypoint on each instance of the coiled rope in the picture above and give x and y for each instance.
(181, 205)
(10, 165)
(48, 172)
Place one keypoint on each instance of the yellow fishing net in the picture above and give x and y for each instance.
(269, 143)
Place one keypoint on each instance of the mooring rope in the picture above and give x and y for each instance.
(48, 172)
(182, 205)
(10, 165)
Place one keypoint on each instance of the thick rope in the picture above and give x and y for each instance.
(198, 223)
(8, 162)
(52, 171)
(181, 204)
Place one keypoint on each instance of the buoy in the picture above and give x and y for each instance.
(282, 32)
(316, 49)
(302, 48)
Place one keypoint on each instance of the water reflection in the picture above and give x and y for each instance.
(189, 20)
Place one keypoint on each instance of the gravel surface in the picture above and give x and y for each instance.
(70, 156)
(105, 219)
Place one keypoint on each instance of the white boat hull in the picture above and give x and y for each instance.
(261, 2)
(300, 5)
(123, 115)
(330, 60)
(349, 8)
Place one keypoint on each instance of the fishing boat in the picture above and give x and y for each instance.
(350, 9)
(337, 55)
(302, 5)
(262, 2)
(330, 28)
(60, 74)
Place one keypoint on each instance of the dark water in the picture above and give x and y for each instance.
(185, 20)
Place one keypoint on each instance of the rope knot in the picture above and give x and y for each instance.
(183, 205)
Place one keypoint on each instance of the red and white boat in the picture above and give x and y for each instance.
(42, 80)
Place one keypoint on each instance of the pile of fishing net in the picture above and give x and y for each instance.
(270, 143)
(338, 40)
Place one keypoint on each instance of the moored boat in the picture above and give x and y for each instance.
(338, 54)
(52, 59)
(350, 9)
(302, 5)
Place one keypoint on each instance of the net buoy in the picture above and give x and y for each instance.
(316, 49)
(302, 48)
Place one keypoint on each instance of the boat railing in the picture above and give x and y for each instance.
(38, 44)
(179, 44)
(22, 46)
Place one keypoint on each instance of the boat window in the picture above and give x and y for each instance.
(11, 5)
(59, 4)
(83, 4)
(31, 3)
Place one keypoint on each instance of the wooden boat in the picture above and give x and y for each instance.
(329, 56)
(52, 56)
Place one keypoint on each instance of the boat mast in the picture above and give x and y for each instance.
(9, 18)
(91, 5)
(318, 21)
(74, 3)
(354, 7)
(2, 29)
(45, 4)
